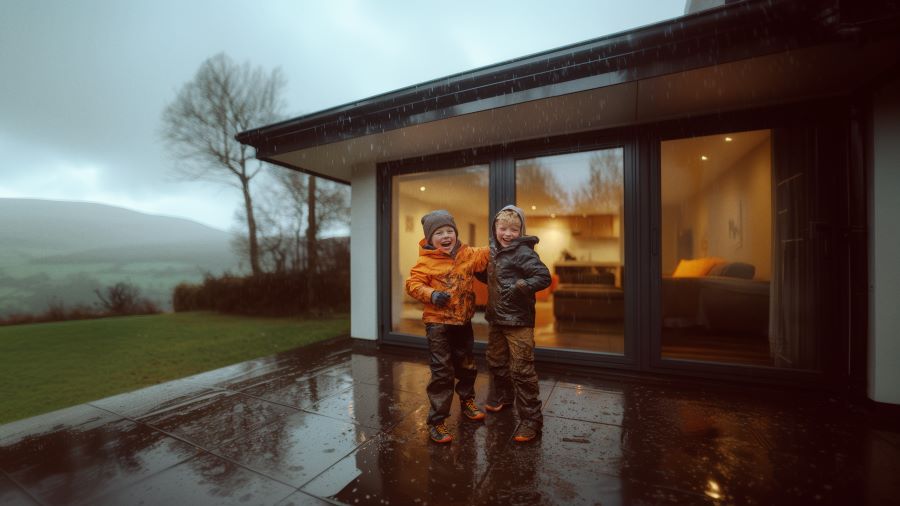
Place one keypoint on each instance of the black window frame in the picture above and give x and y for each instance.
(641, 150)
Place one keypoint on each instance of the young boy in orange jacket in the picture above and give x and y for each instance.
(442, 280)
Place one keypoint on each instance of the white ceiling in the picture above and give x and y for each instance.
(683, 170)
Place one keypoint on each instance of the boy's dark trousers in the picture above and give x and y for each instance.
(450, 356)
(510, 355)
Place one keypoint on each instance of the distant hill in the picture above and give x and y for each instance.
(62, 250)
(67, 227)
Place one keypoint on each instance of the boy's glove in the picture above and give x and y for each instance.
(523, 287)
(440, 299)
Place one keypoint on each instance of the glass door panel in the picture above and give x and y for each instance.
(726, 288)
(574, 203)
(464, 193)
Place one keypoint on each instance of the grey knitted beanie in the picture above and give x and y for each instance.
(435, 220)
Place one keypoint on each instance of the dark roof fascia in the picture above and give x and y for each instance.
(727, 33)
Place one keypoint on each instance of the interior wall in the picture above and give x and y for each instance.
(363, 260)
(731, 217)
(669, 227)
(884, 236)
(556, 235)
(408, 232)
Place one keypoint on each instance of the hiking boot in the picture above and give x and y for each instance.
(495, 407)
(525, 433)
(470, 409)
(439, 433)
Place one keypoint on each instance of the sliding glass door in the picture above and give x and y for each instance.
(728, 264)
(464, 192)
(736, 253)
(575, 205)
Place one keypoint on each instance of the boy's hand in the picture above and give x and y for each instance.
(440, 299)
(523, 287)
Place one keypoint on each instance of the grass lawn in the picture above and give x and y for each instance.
(48, 366)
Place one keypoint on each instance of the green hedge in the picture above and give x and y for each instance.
(269, 294)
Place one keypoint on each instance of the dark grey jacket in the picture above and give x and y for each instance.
(508, 305)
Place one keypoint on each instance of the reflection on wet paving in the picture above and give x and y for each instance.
(340, 422)
(62, 465)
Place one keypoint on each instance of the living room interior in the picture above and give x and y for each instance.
(716, 249)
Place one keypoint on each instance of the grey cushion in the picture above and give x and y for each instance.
(733, 270)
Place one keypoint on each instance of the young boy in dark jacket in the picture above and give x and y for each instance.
(442, 280)
(515, 272)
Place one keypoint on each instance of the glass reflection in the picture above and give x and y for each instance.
(730, 277)
(463, 192)
(574, 204)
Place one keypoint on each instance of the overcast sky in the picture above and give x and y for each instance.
(83, 82)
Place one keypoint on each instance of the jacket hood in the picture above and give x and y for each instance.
(528, 239)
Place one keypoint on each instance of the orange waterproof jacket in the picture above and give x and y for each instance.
(437, 270)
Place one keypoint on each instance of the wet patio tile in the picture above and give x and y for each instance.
(586, 404)
(298, 389)
(399, 375)
(12, 495)
(301, 498)
(214, 419)
(223, 376)
(573, 462)
(206, 479)
(256, 376)
(72, 465)
(296, 448)
(372, 406)
(717, 452)
(154, 398)
(536, 482)
(403, 466)
(79, 417)
(361, 439)
(310, 362)
(599, 383)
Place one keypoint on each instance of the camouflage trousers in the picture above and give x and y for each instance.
(510, 356)
(450, 357)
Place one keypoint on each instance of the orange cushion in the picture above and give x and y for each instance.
(695, 268)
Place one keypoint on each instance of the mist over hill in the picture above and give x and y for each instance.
(62, 251)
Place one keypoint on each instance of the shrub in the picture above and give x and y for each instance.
(268, 294)
(125, 299)
(116, 300)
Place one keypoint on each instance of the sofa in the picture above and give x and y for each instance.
(587, 294)
(723, 297)
(574, 303)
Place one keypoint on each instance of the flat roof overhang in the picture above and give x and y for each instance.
(739, 56)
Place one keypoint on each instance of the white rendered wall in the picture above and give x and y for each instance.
(363, 253)
(884, 266)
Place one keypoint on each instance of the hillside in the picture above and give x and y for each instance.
(62, 251)
(65, 227)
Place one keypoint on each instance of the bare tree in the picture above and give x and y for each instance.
(605, 187)
(124, 298)
(539, 186)
(323, 204)
(294, 187)
(222, 99)
(312, 230)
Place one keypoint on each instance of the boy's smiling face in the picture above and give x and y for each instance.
(507, 231)
(444, 239)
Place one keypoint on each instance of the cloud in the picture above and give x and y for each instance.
(85, 82)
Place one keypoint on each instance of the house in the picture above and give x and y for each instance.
(715, 194)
